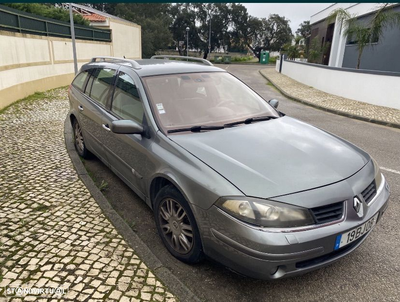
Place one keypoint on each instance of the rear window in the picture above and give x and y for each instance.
(102, 85)
(80, 80)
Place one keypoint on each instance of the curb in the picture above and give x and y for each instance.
(182, 292)
(334, 111)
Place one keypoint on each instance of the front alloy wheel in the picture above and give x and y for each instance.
(176, 225)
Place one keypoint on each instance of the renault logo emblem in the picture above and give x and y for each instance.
(357, 205)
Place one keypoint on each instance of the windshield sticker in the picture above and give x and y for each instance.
(160, 108)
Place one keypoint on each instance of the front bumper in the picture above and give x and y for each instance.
(262, 254)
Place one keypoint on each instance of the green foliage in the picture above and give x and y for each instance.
(304, 30)
(241, 58)
(317, 50)
(154, 19)
(272, 60)
(48, 11)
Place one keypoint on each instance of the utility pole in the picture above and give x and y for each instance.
(71, 19)
(209, 36)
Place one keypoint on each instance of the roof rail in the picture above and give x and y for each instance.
(204, 61)
(133, 63)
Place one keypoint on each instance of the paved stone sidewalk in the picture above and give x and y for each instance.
(52, 232)
(296, 90)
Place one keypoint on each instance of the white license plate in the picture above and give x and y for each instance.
(354, 234)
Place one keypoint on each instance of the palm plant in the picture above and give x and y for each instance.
(364, 34)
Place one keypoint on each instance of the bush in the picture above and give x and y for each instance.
(241, 59)
(48, 11)
(272, 60)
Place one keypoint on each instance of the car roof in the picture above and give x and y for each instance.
(151, 67)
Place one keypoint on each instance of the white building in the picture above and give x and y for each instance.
(381, 55)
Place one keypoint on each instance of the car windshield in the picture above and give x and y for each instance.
(192, 99)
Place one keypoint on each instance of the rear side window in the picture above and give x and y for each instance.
(102, 85)
(126, 101)
(80, 80)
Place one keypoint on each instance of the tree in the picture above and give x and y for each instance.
(246, 30)
(154, 20)
(316, 50)
(304, 31)
(365, 33)
(294, 51)
(277, 32)
(183, 16)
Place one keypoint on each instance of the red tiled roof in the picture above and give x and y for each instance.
(94, 18)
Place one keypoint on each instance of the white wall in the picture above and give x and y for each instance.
(382, 90)
(30, 63)
(127, 39)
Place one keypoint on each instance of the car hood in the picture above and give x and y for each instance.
(275, 157)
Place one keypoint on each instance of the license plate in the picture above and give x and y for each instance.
(350, 236)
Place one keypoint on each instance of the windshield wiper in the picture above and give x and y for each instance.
(252, 119)
(196, 129)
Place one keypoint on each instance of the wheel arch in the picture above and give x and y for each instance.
(161, 180)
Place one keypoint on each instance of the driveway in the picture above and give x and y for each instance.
(371, 273)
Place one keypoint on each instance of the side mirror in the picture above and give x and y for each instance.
(126, 127)
(274, 103)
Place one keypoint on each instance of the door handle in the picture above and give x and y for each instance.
(106, 127)
(80, 107)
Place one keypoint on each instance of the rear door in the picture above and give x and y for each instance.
(93, 108)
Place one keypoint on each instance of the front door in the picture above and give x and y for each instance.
(127, 153)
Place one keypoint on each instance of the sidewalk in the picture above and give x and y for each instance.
(336, 104)
(53, 234)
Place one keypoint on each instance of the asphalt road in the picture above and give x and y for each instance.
(371, 273)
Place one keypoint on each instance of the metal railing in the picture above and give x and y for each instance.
(26, 23)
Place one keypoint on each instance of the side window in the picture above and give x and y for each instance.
(102, 85)
(126, 101)
(90, 82)
(80, 80)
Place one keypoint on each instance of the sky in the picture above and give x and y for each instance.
(295, 12)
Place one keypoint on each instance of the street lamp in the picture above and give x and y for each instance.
(187, 41)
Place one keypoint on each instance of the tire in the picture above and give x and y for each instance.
(176, 225)
(79, 142)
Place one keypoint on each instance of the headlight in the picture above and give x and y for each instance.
(378, 174)
(265, 213)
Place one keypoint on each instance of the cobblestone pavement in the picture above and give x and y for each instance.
(322, 99)
(52, 232)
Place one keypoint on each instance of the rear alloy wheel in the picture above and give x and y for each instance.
(176, 225)
(79, 141)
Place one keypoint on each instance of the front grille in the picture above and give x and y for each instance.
(369, 193)
(328, 213)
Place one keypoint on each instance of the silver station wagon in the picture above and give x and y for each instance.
(226, 174)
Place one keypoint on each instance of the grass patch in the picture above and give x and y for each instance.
(103, 186)
(33, 97)
(29, 99)
(41, 208)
